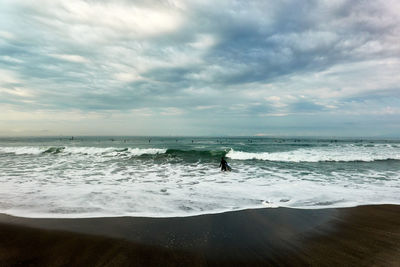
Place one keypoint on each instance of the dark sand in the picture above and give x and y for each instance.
(360, 236)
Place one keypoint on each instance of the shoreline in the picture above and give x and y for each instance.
(358, 236)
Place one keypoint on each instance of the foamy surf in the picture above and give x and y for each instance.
(170, 177)
(80, 150)
(345, 153)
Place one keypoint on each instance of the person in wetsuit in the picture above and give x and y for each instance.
(223, 164)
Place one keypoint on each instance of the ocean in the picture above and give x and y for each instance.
(64, 177)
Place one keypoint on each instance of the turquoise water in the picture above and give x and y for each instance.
(175, 176)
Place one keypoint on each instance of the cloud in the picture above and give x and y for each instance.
(8, 77)
(211, 60)
(11, 60)
(205, 107)
(6, 35)
(70, 58)
(78, 17)
(171, 111)
(306, 106)
(127, 77)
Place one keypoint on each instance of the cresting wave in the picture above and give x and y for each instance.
(342, 153)
(80, 150)
(114, 151)
(347, 153)
(196, 153)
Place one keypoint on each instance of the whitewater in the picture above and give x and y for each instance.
(80, 177)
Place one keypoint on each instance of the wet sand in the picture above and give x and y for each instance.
(360, 236)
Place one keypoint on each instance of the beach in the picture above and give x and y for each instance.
(358, 236)
(199, 133)
(131, 201)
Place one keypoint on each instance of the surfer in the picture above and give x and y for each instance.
(223, 164)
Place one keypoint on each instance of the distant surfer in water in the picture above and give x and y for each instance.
(224, 165)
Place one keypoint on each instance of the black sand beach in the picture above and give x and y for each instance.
(359, 236)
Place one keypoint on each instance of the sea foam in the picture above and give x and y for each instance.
(27, 150)
(66, 181)
(345, 153)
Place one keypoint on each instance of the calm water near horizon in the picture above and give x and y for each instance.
(179, 176)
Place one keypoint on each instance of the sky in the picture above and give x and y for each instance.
(226, 68)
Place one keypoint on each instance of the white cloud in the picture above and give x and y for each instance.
(17, 91)
(6, 35)
(8, 77)
(10, 113)
(274, 114)
(83, 18)
(71, 58)
(146, 112)
(11, 59)
(127, 77)
(171, 111)
(206, 107)
(204, 41)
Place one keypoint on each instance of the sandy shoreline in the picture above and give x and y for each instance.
(359, 236)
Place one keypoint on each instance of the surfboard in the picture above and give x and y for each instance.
(228, 168)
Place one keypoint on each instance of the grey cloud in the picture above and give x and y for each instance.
(276, 49)
(74, 63)
(306, 107)
(170, 74)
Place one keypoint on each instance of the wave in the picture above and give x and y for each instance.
(23, 150)
(331, 154)
(81, 150)
(196, 153)
(343, 153)
(113, 151)
(54, 150)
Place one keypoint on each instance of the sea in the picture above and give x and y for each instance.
(80, 177)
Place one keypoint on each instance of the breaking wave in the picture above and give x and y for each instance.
(348, 153)
(81, 150)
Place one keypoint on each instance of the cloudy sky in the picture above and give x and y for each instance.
(155, 67)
